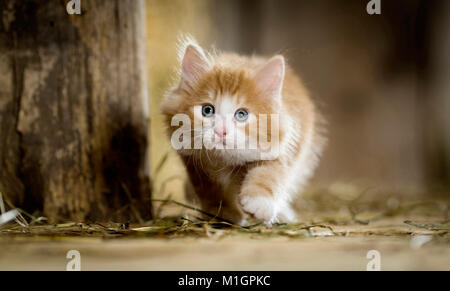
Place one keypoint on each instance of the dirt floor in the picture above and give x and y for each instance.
(337, 233)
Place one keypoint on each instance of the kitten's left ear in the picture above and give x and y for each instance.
(270, 78)
(194, 64)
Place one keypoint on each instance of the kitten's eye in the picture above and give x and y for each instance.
(241, 115)
(207, 110)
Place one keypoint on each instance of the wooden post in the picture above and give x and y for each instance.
(74, 109)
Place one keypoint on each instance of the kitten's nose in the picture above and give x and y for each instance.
(220, 132)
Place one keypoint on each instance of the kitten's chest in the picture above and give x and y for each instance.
(212, 175)
(228, 178)
(224, 179)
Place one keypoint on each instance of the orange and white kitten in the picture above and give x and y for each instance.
(228, 95)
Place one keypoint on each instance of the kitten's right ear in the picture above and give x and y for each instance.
(194, 64)
(270, 77)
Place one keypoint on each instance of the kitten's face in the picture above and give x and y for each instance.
(230, 118)
(233, 113)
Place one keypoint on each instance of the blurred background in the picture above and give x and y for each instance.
(381, 81)
(73, 134)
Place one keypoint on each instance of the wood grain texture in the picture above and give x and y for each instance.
(75, 109)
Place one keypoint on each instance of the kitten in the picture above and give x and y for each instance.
(231, 99)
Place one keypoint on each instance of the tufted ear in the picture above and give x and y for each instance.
(270, 77)
(194, 64)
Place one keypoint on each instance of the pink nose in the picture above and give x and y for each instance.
(220, 132)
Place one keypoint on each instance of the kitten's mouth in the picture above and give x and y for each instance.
(222, 142)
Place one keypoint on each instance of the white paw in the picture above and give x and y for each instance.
(287, 215)
(243, 222)
(262, 208)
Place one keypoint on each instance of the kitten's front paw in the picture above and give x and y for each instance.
(262, 208)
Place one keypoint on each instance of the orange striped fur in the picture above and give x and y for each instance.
(235, 183)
